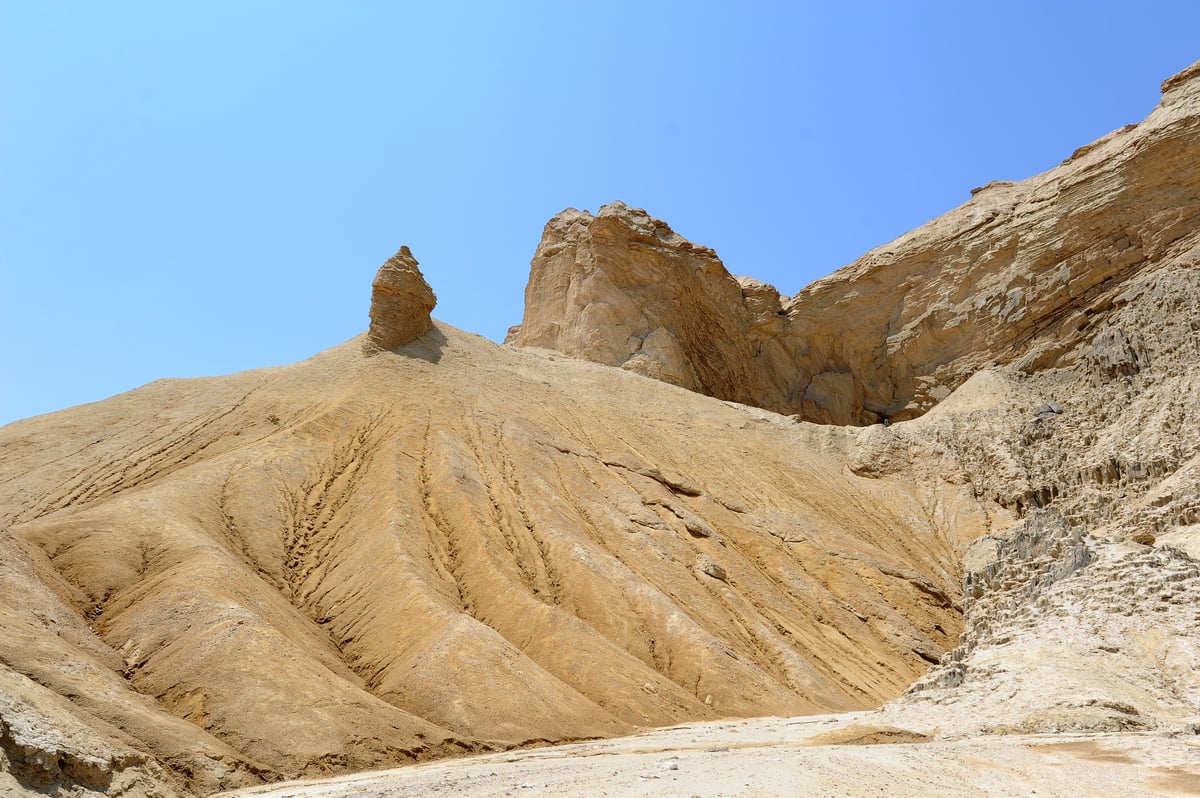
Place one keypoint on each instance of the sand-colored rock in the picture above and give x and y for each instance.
(1017, 275)
(623, 289)
(401, 302)
(365, 560)
(47, 745)
(375, 557)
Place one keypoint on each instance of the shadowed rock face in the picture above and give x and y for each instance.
(1012, 276)
(370, 558)
(401, 302)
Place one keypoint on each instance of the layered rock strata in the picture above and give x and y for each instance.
(1082, 616)
(1018, 275)
(401, 302)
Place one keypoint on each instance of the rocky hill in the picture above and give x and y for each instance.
(419, 544)
(1021, 274)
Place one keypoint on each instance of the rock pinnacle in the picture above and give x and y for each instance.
(401, 301)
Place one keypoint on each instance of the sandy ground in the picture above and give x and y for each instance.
(785, 757)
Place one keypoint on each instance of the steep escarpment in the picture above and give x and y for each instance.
(623, 289)
(1017, 275)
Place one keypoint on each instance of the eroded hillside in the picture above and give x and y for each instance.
(366, 559)
(1021, 274)
(419, 544)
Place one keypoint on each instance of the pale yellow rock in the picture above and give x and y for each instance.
(1017, 275)
(375, 557)
(364, 560)
(401, 302)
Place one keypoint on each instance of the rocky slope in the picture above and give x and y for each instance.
(364, 560)
(1018, 275)
(418, 543)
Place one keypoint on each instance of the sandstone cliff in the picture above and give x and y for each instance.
(366, 559)
(1017, 275)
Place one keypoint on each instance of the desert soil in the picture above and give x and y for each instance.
(821, 755)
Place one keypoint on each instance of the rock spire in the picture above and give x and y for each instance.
(401, 302)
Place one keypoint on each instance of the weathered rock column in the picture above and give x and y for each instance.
(401, 302)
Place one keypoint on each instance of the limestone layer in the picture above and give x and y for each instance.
(1016, 275)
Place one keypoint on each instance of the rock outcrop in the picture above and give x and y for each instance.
(623, 289)
(401, 302)
(1019, 274)
(358, 560)
(48, 747)
(1082, 615)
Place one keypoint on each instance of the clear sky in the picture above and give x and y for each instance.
(202, 188)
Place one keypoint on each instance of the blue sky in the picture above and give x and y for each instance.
(201, 188)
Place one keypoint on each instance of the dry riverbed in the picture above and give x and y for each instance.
(828, 755)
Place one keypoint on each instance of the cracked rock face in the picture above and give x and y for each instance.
(401, 302)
